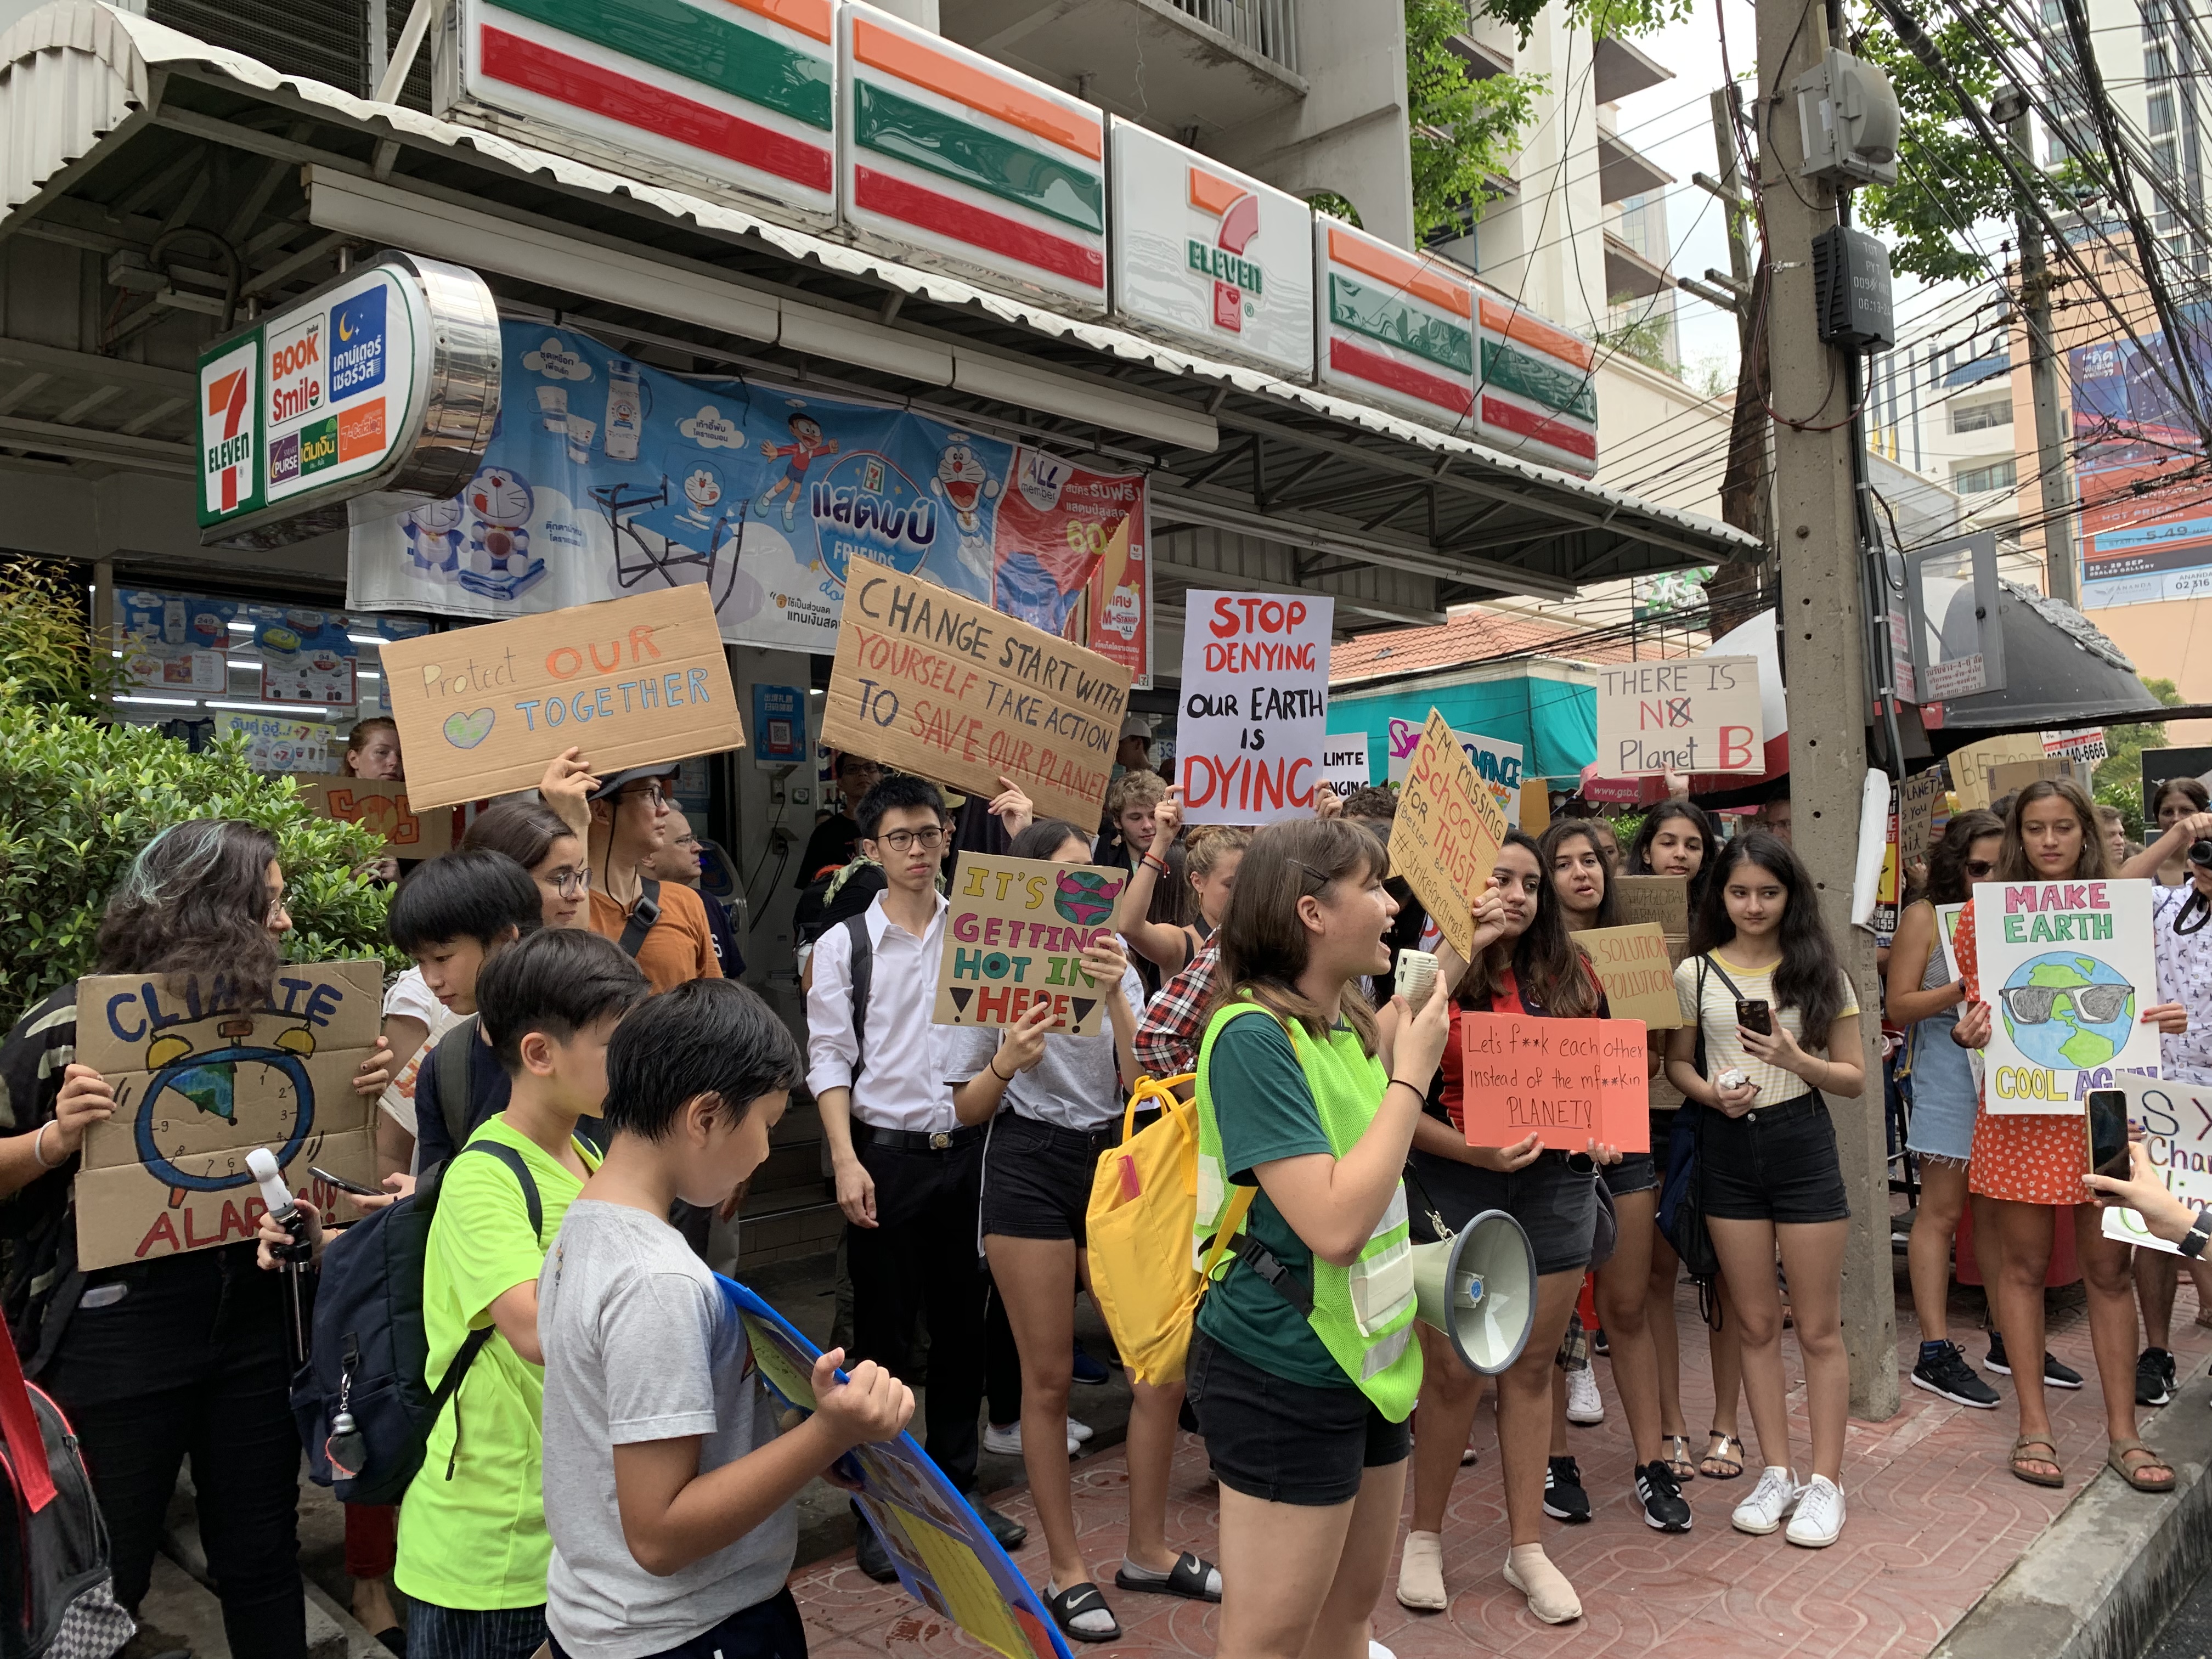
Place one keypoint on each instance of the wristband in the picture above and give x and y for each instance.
(1401, 1083)
(1148, 862)
(2192, 1242)
(37, 1140)
(996, 1073)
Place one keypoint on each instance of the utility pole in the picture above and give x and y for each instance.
(1822, 622)
(2062, 573)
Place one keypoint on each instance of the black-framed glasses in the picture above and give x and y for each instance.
(905, 841)
(2033, 1004)
(652, 792)
(568, 884)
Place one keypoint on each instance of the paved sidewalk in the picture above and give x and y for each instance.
(1935, 1519)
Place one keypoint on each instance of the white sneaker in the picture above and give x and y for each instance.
(1585, 1405)
(1376, 1651)
(1078, 1433)
(1007, 1441)
(1770, 1503)
(1820, 1517)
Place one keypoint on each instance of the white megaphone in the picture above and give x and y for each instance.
(1479, 1288)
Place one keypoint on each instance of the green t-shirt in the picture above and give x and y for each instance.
(477, 1540)
(1264, 1110)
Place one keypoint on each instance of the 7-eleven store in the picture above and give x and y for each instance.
(809, 191)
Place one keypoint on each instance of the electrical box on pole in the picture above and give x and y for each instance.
(1848, 117)
(1851, 290)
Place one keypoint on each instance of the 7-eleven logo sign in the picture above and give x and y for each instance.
(228, 406)
(1236, 279)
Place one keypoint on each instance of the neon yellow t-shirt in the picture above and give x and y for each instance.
(476, 1539)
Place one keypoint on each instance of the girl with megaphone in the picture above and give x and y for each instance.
(1303, 1368)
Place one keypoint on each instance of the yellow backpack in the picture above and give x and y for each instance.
(1143, 1200)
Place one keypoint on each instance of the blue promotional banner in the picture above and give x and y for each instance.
(605, 477)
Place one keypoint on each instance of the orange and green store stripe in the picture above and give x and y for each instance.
(1397, 325)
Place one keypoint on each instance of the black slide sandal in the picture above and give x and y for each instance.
(1072, 1604)
(1187, 1579)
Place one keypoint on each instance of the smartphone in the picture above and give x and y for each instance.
(2108, 1131)
(1755, 1014)
(343, 1185)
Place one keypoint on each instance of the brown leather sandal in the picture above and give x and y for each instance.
(2138, 1475)
(2024, 1459)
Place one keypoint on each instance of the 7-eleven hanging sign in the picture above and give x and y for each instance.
(230, 393)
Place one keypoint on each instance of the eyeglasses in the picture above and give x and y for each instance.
(1978, 868)
(568, 884)
(905, 841)
(276, 913)
(652, 792)
(690, 843)
(2033, 1004)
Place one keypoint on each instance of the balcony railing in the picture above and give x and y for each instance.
(1269, 28)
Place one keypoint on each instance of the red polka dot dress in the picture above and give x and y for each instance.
(2026, 1158)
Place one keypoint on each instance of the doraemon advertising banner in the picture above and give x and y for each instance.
(606, 478)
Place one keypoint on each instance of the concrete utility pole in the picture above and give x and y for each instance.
(1823, 626)
(2062, 575)
(1739, 591)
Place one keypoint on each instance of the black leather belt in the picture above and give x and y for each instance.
(915, 1140)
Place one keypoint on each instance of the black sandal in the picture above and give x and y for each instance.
(1072, 1604)
(1187, 1579)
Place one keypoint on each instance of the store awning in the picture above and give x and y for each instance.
(2060, 672)
(192, 180)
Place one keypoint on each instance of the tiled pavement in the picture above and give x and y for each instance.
(1935, 1520)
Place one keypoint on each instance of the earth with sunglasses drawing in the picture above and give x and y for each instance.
(2067, 1012)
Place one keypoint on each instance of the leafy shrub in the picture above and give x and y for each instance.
(79, 797)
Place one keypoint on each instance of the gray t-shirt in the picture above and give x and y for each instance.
(640, 1344)
(1074, 1086)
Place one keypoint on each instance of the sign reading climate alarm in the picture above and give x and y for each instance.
(1209, 257)
(386, 380)
(953, 160)
(1395, 328)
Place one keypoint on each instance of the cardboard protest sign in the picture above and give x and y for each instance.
(1917, 798)
(199, 1083)
(383, 807)
(946, 1557)
(2174, 1120)
(1686, 714)
(1661, 899)
(2067, 968)
(943, 686)
(1536, 802)
(2013, 776)
(1495, 762)
(1638, 971)
(1969, 764)
(1570, 1081)
(1947, 928)
(1345, 763)
(1015, 935)
(1445, 838)
(1255, 706)
(481, 710)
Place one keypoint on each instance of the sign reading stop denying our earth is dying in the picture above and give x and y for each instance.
(1014, 936)
(2067, 968)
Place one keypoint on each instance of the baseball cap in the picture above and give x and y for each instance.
(610, 786)
(1135, 726)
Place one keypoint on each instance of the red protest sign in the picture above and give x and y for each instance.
(1571, 1081)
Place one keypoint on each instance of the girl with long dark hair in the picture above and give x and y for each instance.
(1304, 1368)
(1924, 998)
(1528, 964)
(174, 1356)
(1768, 1169)
(2029, 1164)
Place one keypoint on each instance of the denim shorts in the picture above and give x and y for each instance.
(1038, 1175)
(1284, 1442)
(1774, 1164)
(1555, 1203)
(1636, 1172)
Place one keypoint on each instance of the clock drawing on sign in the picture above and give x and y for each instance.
(265, 1094)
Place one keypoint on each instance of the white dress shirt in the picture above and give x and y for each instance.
(903, 1080)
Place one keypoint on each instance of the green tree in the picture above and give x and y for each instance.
(1643, 338)
(79, 796)
(1465, 131)
(2119, 776)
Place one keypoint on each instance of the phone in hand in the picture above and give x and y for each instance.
(1755, 1014)
(2108, 1131)
(345, 1185)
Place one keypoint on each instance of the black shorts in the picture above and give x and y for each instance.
(1036, 1177)
(1774, 1164)
(1636, 1172)
(1284, 1442)
(1555, 1203)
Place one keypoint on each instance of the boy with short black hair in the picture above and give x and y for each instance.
(473, 1547)
(650, 1397)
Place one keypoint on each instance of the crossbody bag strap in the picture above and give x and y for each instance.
(20, 1434)
(641, 917)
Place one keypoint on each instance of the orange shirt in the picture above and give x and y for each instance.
(679, 947)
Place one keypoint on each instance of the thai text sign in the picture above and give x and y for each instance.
(2067, 968)
(939, 684)
(1568, 1081)
(1695, 714)
(1014, 937)
(1445, 838)
(1255, 706)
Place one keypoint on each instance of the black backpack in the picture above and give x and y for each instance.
(370, 1352)
(55, 1592)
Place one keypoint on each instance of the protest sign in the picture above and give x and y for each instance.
(383, 807)
(2012, 777)
(1687, 714)
(1570, 1081)
(1255, 706)
(1637, 969)
(1015, 935)
(1947, 926)
(2174, 1121)
(946, 1557)
(941, 685)
(1535, 804)
(1445, 838)
(199, 1082)
(2067, 968)
(1917, 798)
(481, 710)
(1345, 763)
(1498, 763)
(1662, 899)
(1969, 764)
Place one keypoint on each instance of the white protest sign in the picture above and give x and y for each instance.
(1345, 762)
(2174, 1120)
(2067, 968)
(1255, 706)
(1687, 714)
(1498, 763)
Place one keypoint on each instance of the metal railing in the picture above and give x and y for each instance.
(1269, 28)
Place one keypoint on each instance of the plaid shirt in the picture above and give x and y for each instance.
(1169, 1036)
